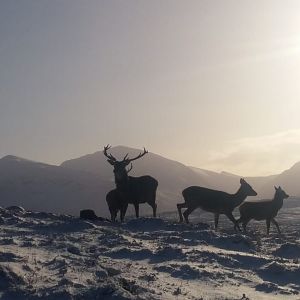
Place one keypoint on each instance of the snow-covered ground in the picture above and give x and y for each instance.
(47, 256)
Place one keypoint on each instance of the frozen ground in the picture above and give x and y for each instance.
(46, 256)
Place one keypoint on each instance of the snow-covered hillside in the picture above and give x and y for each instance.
(48, 256)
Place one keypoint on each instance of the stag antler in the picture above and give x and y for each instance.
(109, 156)
(125, 157)
(128, 160)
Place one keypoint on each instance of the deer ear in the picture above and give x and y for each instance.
(111, 161)
(275, 188)
(242, 180)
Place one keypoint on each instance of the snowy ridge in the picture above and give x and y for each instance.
(85, 181)
(49, 256)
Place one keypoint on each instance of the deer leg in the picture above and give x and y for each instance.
(136, 207)
(113, 215)
(216, 221)
(245, 222)
(179, 207)
(154, 207)
(187, 212)
(268, 225)
(276, 224)
(233, 220)
(123, 212)
(237, 223)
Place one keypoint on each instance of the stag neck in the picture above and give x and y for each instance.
(121, 183)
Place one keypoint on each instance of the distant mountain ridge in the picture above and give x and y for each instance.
(83, 182)
(172, 176)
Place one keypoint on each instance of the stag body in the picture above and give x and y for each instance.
(217, 202)
(263, 210)
(129, 189)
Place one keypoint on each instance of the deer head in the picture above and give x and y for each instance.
(247, 188)
(120, 171)
(280, 193)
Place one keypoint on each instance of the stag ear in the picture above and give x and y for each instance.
(111, 162)
(242, 180)
(275, 188)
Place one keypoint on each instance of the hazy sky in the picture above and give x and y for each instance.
(213, 84)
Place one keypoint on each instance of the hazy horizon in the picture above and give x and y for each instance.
(207, 83)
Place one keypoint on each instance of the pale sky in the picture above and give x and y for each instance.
(213, 84)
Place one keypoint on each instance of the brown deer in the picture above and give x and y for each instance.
(129, 189)
(214, 201)
(116, 204)
(263, 210)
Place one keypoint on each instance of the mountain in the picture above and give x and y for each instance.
(84, 182)
(228, 182)
(172, 176)
(288, 180)
(39, 186)
(221, 181)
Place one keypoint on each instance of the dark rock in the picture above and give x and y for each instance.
(88, 214)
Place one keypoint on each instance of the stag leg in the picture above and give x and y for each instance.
(187, 212)
(136, 207)
(216, 221)
(179, 207)
(123, 212)
(154, 207)
(268, 225)
(113, 215)
(233, 220)
(276, 224)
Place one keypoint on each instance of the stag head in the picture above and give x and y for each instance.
(120, 170)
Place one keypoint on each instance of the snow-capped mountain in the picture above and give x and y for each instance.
(84, 182)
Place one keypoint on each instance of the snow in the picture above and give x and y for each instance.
(50, 256)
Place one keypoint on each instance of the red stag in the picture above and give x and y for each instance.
(129, 189)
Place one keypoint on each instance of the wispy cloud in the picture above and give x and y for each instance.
(263, 155)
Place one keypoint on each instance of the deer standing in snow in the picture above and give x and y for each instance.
(129, 189)
(214, 201)
(263, 210)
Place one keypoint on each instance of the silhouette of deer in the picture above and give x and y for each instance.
(129, 189)
(214, 201)
(263, 210)
(116, 204)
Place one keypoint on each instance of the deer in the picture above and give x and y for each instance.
(214, 201)
(129, 189)
(263, 210)
(116, 204)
